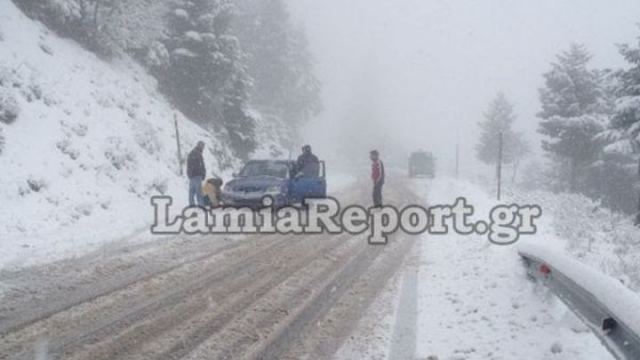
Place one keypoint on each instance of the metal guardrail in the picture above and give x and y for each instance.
(600, 312)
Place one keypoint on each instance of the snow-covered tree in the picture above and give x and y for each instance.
(624, 128)
(574, 112)
(86, 21)
(278, 60)
(206, 74)
(237, 120)
(611, 179)
(625, 124)
(498, 119)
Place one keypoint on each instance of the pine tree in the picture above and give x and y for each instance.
(625, 123)
(626, 120)
(499, 119)
(206, 75)
(238, 123)
(279, 61)
(573, 112)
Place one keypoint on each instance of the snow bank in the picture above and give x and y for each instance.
(621, 302)
(595, 235)
(91, 143)
(476, 302)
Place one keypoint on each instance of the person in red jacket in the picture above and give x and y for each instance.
(377, 175)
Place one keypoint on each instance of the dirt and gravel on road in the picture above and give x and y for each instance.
(202, 297)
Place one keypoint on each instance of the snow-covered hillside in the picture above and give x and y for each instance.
(91, 142)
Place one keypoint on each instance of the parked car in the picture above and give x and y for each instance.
(422, 163)
(279, 179)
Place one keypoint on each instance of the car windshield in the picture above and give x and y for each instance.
(265, 168)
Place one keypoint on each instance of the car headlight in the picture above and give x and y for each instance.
(274, 190)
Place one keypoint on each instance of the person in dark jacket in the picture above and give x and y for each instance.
(377, 175)
(308, 163)
(196, 173)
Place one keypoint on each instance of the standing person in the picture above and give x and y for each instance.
(377, 175)
(196, 173)
(306, 159)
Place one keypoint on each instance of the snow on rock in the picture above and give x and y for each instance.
(86, 144)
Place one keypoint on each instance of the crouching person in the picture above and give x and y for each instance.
(212, 189)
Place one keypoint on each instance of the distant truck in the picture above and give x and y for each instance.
(422, 163)
(279, 179)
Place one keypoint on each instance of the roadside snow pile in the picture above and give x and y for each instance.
(475, 300)
(83, 145)
(615, 297)
(589, 232)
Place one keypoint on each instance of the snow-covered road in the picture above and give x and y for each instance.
(202, 297)
(475, 301)
(455, 297)
(472, 300)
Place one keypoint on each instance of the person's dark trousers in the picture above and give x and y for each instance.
(196, 197)
(377, 194)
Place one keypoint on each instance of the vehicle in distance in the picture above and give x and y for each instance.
(421, 163)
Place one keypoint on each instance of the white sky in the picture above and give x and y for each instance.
(432, 66)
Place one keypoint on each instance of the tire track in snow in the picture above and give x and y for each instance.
(403, 342)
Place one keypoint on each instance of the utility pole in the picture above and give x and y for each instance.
(637, 219)
(499, 166)
(457, 159)
(179, 152)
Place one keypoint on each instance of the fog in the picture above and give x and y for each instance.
(406, 74)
